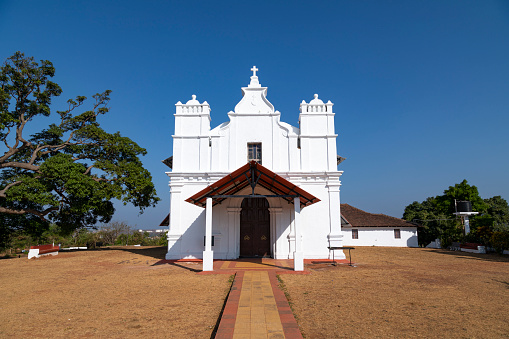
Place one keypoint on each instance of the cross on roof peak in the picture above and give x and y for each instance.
(254, 69)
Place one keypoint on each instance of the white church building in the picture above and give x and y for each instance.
(254, 186)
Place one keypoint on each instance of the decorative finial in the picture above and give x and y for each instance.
(194, 96)
(193, 101)
(254, 69)
(316, 101)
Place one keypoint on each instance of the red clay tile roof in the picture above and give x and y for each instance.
(359, 218)
(252, 172)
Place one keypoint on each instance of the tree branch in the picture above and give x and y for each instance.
(61, 194)
(5, 138)
(2, 192)
(41, 215)
(15, 164)
(88, 170)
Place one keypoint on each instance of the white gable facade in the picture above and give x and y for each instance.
(270, 226)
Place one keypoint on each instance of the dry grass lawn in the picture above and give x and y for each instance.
(404, 292)
(393, 292)
(115, 293)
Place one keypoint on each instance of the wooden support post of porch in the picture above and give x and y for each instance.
(298, 255)
(208, 254)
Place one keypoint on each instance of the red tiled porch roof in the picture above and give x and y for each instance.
(252, 174)
(166, 221)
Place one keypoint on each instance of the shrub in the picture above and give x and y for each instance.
(500, 241)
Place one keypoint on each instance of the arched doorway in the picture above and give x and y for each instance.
(255, 228)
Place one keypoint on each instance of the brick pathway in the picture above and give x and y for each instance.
(256, 306)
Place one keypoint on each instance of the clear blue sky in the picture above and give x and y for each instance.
(421, 88)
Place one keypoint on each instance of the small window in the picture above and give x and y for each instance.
(254, 152)
(355, 234)
(397, 234)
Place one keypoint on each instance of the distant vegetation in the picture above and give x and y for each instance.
(114, 233)
(435, 214)
(60, 170)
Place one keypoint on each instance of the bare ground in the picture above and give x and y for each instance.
(393, 292)
(404, 292)
(108, 293)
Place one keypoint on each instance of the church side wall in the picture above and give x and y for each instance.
(317, 223)
(187, 221)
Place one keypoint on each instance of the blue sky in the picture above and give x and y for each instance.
(421, 88)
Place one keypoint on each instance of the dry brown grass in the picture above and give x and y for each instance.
(404, 292)
(393, 292)
(107, 293)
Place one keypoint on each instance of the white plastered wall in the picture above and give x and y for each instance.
(381, 236)
(202, 156)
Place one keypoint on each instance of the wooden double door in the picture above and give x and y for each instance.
(255, 228)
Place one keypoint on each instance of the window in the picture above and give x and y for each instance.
(254, 152)
(355, 234)
(397, 234)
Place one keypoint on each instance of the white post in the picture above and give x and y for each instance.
(298, 255)
(208, 254)
(467, 225)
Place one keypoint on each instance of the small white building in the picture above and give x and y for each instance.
(361, 228)
(254, 186)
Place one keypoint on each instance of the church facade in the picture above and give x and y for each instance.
(254, 186)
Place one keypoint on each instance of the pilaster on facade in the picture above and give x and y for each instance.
(275, 227)
(335, 236)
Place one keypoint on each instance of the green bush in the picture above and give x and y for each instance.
(162, 240)
(500, 241)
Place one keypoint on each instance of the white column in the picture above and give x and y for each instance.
(208, 254)
(298, 255)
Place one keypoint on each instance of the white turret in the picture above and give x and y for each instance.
(317, 137)
(192, 129)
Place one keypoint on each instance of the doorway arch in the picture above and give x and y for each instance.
(255, 228)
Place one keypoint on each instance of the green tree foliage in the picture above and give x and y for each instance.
(68, 172)
(498, 210)
(435, 221)
(462, 191)
(435, 214)
(113, 233)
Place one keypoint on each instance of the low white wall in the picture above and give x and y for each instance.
(381, 236)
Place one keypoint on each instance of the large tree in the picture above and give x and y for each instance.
(436, 217)
(69, 171)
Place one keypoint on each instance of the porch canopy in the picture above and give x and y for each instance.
(252, 174)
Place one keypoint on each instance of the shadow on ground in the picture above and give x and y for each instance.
(156, 252)
(474, 256)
